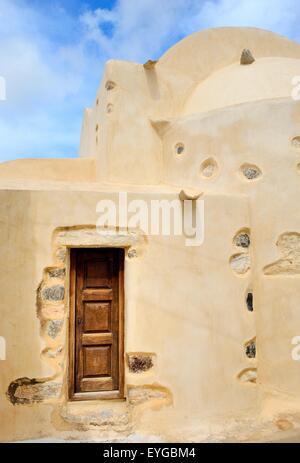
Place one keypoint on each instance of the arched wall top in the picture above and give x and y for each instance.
(265, 79)
(202, 53)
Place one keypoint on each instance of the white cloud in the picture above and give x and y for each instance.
(140, 30)
(52, 59)
(145, 28)
(48, 82)
(277, 15)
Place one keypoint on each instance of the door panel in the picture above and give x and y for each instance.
(97, 322)
(97, 317)
(96, 359)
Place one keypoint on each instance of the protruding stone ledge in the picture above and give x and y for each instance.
(89, 235)
(189, 195)
(149, 393)
(161, 126)
(247, 57)
(115, 416)
(150, 64)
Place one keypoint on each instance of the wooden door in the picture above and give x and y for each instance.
(96, 323)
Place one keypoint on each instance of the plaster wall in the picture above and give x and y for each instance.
(184, 329)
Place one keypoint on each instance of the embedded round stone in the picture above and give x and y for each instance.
(54, 327)
(242, 239)
(109, 108)
(110, 85)
(132, 253)
(296, 142)
(251, 350)
(240, 263)
(250, 171)
(208, 168)
(179, 148)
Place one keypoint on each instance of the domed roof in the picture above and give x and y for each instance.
(203, 71)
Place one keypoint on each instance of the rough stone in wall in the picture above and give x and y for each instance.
(208, 168)
(57, 272)
(110, 85)
(284, 425)
(249, 301)
(53, 293)
(250, 171)
(51, 313)
(97, 415)
(288, 245)
(250, 349)
(61, 254)
(242, 239)
(132, 253)
(109, 108)
(27, 391)
(179, 148)
(247, 57)
(296, 142)
(248, 375)
(54, 328)
(140, 362)
(138, 395)
(240, 263)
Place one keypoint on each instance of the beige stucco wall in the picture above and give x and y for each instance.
(184, 305)
(184, 328)
(57, 170)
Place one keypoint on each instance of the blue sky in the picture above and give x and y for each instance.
(52, 55)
